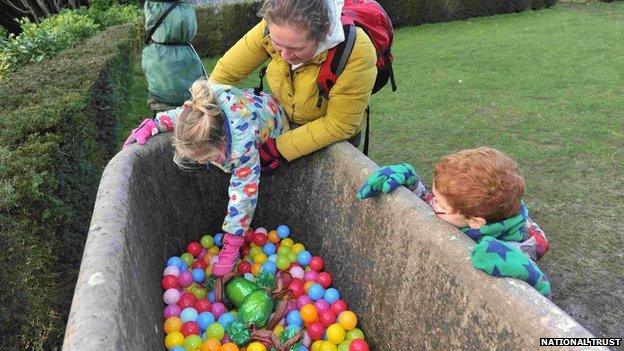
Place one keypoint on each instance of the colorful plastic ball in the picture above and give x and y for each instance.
(178, 348)
(226, 319)
(269, 267)
(273, 237)
(194, 248)
(190, 328)
(344, 346)
(316, 346)
(297, 272)
(211, 345)
(189, 314)
(244, 267)
(296, 287)
(331, 295)
(172, 324)
(327, 318)
(317, 263)
(169, 282)
(171, 270)
(358, 345)
(171, 310)
(325, 279)
(269, 248)
(293, 318)
(187, 300)
(260, 257)
(255, 268)
(256, 346)
(347, 319)
(282, 262)
(283, 231)
(260, 239)
(304, 258)
(217, 310)
(249, 236)
(218, 239)
(174, 261)
(302, 348)
(321, 305)
(214, 250)
(262, 230)
(310, 276)
(192, 343)
(229, 346)
(339, 306)
(306, 341)
(249, 277)
(278, 330)
(328, 346)
(199, 275)
(185, 279)
(308, 313)
(202, 305)
(335, 333)
(288, 242)
(171, 296)
(316, 291)
(206, 241)
(303, 300)
(211, 296)
(205, 319)
(297, 248)
(315, 330)
(200, 293)
(199, 263)
(174, 339)
(187, 258)
(355, 333)
(216, 331)
(292, 257)
(283, 250)
(254, 251)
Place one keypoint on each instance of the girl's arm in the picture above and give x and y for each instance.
(165, 121)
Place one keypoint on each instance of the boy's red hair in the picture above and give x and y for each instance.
(480, 182)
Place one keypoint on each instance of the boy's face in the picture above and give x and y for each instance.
(441, 207)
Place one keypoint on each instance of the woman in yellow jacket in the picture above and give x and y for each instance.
(299, 34)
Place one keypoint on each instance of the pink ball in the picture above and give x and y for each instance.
(316, 331)
(317, 263)
(310, 275)
(297, 272)
(171, 310)
(262, 230)
(303, 300)
(217, 309)
(339, 306)
(185, 279)
(321, 305)
(171, 296)
(306, 340)
(358, 345)
(171, 270)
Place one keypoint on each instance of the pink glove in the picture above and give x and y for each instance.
(144, 131)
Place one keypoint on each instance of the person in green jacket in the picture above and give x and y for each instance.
(295, 35)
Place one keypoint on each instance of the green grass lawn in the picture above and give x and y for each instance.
(545, 87)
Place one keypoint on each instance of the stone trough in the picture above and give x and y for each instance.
(405, 273)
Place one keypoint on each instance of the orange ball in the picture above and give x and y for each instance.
(207, 258)
(255, 268)
(172, 324)
(308, 313)
(211, 344)
(229, 346)
(307, 285)
(273, 237)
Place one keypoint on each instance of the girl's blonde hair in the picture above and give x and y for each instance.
(198, 132)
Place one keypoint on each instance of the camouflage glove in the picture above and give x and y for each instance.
(386, 179)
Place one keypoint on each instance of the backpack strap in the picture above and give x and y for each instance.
(148, 37)
(336, 61)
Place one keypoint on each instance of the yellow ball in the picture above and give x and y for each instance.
(256, 346)
(172, 324)
(297, 248)
(214, 250)
(278, 330)
(174, 339)
(328, 346)
(288, 242)
(316, 346)
(347, 320)
(260, 257)
(335, 333)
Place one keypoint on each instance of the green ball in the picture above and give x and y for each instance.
(355, 333)
(254, 250)
(292, 256)
(192, 343)
(187, 258)
(199, 293)
(207, 241)
(344, 346)
(282, 262)
(215, 330)
(283, 250)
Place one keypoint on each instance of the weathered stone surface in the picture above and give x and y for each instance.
(405, 273)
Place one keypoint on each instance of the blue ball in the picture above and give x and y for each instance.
(302, 348)
(188, 314)
(249, 277)
(269, 249)
(211, 296)
(293, 318)
(226, 319)
(199, 275)
(283, 231)
(316, 292)
(174, 261)
(183, 267)
(331, 295)
(273, 258)
(269, 267)
(218, 239)
(304, 258)
(204, 320)
(178, 348)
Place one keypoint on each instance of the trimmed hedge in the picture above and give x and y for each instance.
(58, 126)
(220, 26)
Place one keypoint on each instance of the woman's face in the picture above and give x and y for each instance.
(292, 43)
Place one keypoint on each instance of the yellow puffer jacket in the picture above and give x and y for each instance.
(322, 122)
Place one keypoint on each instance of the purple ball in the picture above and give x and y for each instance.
(171, 311)
(303, 300)
(310, 275)
(171, 270)
(306, 339)
(322, 305)
(185, 279)
(217, 309)
(171, 296)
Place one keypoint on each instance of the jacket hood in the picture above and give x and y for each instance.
(336, 33)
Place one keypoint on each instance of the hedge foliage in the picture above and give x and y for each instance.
(220, 26)
(58, 126)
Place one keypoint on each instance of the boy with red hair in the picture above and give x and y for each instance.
(479, 191)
